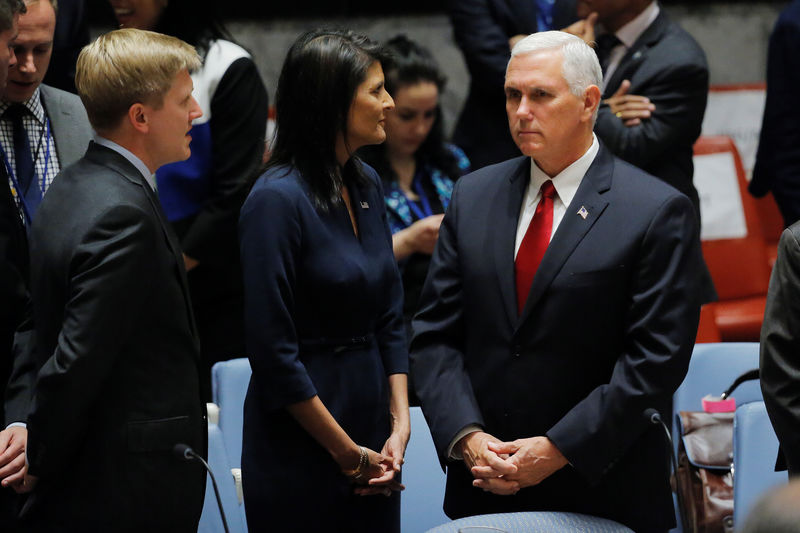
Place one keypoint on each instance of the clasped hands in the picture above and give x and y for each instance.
(378, 477)
(13, 471)
(505, 467)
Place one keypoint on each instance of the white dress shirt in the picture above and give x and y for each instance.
(566, 184)
(628, 34)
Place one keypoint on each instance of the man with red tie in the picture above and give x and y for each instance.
(561, 303)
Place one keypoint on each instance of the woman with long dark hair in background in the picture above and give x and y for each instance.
(417, 167)
(326, 418)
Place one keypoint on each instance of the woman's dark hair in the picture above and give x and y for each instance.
(316, 88)
(193, 21)
(412, 64)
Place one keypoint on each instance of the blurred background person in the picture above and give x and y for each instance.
(203, 195)
(326, 412)
(72, 34)
(777, 166)
(417, 167)
(485, 31)
(42, 130)
(776, 512)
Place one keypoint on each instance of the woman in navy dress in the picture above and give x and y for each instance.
(326, 415)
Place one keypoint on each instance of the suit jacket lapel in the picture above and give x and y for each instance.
(68, 145)
(506, 208)
(573, 227)
(176, 250)
(637, 53)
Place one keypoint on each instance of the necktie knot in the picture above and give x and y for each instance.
(547, 189)
(605, 44)
(15, 112)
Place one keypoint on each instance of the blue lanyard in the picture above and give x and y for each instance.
(15, 192)
(426, 206)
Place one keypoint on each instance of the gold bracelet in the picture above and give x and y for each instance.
(363, 461)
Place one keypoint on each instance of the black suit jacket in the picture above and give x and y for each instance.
(482, 29)
(668, 66)
(607, 331)
(15, 312)
(778, 160)
(119, 382)
(780, 339)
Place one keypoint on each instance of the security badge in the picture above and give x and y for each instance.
(583, 212)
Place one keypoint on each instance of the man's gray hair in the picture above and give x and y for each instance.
(580, 66)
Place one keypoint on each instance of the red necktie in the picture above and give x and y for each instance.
(534, 244)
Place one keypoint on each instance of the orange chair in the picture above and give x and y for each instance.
(772, 225)
(707, 330)
(739, 267)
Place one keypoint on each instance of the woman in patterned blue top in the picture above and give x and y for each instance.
(417, 167)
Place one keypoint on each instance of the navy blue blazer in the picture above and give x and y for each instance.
(607, 331)
(482, 29)
(778, 160)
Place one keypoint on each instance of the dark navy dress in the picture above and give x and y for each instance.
(323, 315)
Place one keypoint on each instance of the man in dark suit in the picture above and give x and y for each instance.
(485, 30)
(58, 121)
(780, 346)
(119, 381)
(534, 362)
(777, 166)
(13, 274)
(656, 87)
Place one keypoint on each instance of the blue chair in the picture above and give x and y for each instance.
(534, 522)
(229, 381)
(210, 520)
(712, 369)
(755, 448)
(421, 502)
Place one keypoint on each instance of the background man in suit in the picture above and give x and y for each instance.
(485, 30)
(780, 346)
(656, 87)
(55, 132)
(778, 160)
(549, 354)
(13, 263)
(119, 380)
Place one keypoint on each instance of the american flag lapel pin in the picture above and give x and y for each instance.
(583, 212)
(364, 205)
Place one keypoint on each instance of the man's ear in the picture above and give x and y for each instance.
(138, 118)
(591, 100)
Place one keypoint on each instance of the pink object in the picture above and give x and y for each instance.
(715, 404)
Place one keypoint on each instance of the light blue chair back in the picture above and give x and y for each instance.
(712, 369)
(229, 381)
(535, 522)
(421, 502)
(755, 448)
(210, 520)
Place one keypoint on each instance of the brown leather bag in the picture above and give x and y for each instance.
(705, 454)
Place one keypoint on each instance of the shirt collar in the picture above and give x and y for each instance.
(127, 154)
(566, 183)
(32, 104)
(635, 28)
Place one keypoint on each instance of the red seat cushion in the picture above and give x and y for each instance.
(740, 320)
